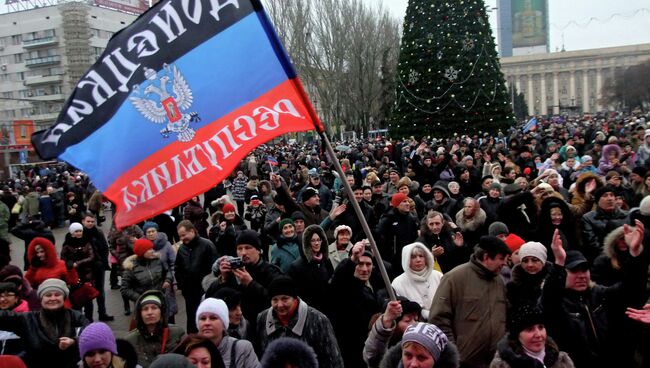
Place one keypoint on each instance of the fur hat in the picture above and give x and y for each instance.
(251, 238)
(288, 350)
(397, 199)
(522, 317)
(342, 228)
(405, 181)
(283, 285)
(533, 249)
(429, 336)
(96, 336)
(214, 306)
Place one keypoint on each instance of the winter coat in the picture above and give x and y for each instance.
(10, 343)
(311, 275)
(420, 286)
(313, 216)
(395, 230)
(193, 261)
(100, 247)
(239, 188)
(606, 269)
(568, 227)
(355, 304)
(604, 164)
(167, 254)
(579, 195)
(40, 333)
(510, 354)
(596, 225)
(52, 268)
(582, 322)
(149, 346)
(142, 274)
(473, 228)
(194, 212)
(307, 324)
(335, 256)
(256, 216)
(121, 246)
(526, 289)
(244, 354)
(79, 251)
(285, 252)
(226, 240)
(449, 357)
(453, 255)
(519, 213)
(491, 207)
(470, 308)
(255, 296)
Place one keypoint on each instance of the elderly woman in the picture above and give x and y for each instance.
(98, 348)
(526, 343)
(144, 271)
(419, 281)
(48, 335)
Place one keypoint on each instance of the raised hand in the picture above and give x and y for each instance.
(634, 237)
(392, 313)
(558, 249)
(641, 315)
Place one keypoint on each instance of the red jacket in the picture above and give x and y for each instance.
(53, 267)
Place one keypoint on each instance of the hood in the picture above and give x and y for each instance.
(609, 246)
(306, 247)
(441, 187)
(130, 262)
(160, 241)
(610, 148)
(51, 258)
(582, 181)
(406, 255)
(163, 312)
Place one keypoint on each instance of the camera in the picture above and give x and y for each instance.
(235, 262)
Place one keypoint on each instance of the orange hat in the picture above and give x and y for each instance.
(141, 246)
(514, 242)
(397, 199)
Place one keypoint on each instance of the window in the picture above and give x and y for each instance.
(49, 33)
(23, 131)
(18, 58)
(16, 39)
(9, 94)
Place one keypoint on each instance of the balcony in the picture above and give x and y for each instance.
(40, 42)
(41, 61)
(52, 97)
(43, 79)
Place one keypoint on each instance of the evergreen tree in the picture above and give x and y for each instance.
(449, 78)
(520, 106)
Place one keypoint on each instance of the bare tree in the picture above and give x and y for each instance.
(630, 89)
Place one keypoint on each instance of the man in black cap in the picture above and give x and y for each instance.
(251, 279)
(290, 316)
(588, 320)
(597, 223)
(309, 206)
(470, 303)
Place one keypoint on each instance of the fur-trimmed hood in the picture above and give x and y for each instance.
(306, 246)
(510, 354)
(582, 181)
(130, 262)
(609, 246)
(608, 149)
(474, 223)
(51, 258)
(449, 358)
(163, 312)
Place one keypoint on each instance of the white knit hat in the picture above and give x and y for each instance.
(75, 226)
(533, 249)
(214, 306)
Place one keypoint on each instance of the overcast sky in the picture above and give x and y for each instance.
(619, 31)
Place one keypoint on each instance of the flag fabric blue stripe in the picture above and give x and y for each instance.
(240, 59)
(531, 123)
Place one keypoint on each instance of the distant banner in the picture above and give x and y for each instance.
(131, 6)
(176, 101)
(529, 23)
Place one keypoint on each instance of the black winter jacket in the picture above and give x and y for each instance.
(193, 261)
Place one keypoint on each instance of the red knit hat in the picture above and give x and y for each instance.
(141, 246)
(397, 199)
(228, 207)
(514, 242)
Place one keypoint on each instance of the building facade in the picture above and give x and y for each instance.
(43, 54)
(571, 81)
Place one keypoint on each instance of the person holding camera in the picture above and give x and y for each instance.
(247, 273)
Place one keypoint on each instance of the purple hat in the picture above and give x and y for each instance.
(97, 336)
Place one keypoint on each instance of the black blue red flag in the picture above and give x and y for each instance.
(175, 102)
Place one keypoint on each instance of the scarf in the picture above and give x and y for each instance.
(539, 356)
(56, 323)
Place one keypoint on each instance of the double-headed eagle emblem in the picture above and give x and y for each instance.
(155, 103)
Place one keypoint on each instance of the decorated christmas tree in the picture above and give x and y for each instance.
(449, 77)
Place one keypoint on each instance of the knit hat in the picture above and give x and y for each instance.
(511, 189)
(52, 285)
(14, 274)
(308, 193)
(8, 287)
(228, 207)
(249, 237)
(284, 222)
(514, 242)
(141, 246)
(429, 336)
(498, 228)
(644, 207)
(533, 249)
(493, 244)
(75, 226)
(215, 306)
(397, 199)
(148, 225)
(522, 317)
(602, 191)
(586, 158)
(342, 228)
(298, 215)
(96, 336)
(283, 285)
(231, 296)
(151, 299)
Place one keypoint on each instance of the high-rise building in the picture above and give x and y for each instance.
(523, 27)
(44, 51)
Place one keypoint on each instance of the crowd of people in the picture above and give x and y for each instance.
(522, 249)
